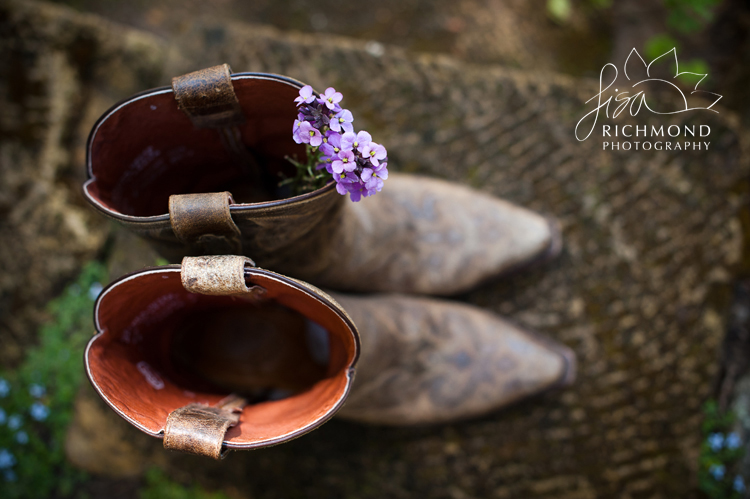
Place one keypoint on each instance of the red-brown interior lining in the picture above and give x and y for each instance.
(134, 316)
(147, 149)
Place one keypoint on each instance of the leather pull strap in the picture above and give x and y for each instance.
(204, 220)
(217, 275)
(207, 97)
(199, 429)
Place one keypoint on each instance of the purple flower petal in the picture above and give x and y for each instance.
(355, 195)
(310, 135)
(327, 150)
(345, 162)
(296, 130)
(374, 152)
(347, 141)
(304, 132)
(374, 184)
(330, 98)
(363, 140)
(335, 141)
(306, 95)
(342, 119)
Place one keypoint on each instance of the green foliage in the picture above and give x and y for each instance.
(307, 179)
(559, 10)
(683, 17)
(689, 16)
(158, 486)
(37, 398)
(658, 45)
(663, 43)
(697, 66)
(721, 452)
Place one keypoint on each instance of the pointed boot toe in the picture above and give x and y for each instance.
(428, 236)
(431, 361)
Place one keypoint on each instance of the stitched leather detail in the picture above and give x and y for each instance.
(204, 220)
(207, 97)
(199, 429)
(217, 275)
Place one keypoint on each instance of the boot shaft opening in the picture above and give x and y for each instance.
(160, 348)
(145, 149)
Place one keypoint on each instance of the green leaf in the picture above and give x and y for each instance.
(697, 66)
(559, 10)
(658, 45)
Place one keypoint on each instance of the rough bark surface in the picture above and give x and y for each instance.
(653, 242)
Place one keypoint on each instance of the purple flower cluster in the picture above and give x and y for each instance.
(358, 164)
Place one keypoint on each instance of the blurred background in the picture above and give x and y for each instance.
(651, 290)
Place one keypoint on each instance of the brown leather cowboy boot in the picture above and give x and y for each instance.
(195, 356)
(163, 163)
(428, 361)
(218, 354)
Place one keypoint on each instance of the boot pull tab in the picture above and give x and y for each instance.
(204, 220)
(218, 275)
(207, 97)
(200, 429)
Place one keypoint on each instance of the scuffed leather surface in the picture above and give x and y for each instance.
(216, 275)
(203, 220)
(420, 235)
(198, 429)
(432, 361)
(207, 97)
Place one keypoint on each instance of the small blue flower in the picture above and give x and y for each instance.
(4, 388)
(14, 422)
(733, 441)
(39, 411)
(717, 471)
(37, 390)
(94, 290)
(22, 437)
(715, 441)
(739, 484)
(3, 416)
(7, 460)
(10, 476)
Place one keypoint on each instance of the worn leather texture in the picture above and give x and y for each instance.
(198, 429)
(203, 221)
(420, 235)
(207, 97)
(159, 348)
(427, 361)
(216, 275)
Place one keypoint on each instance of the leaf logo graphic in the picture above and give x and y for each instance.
(638, 73)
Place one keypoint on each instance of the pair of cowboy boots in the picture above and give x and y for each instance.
(217, 353)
